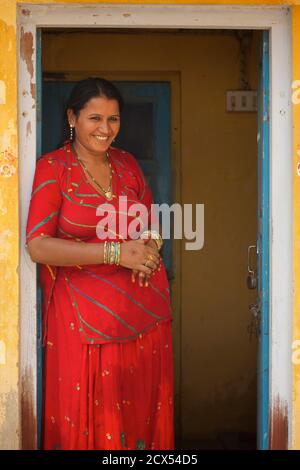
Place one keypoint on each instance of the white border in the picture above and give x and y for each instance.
(278, 20)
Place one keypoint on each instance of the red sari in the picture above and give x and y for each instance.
(108, 343)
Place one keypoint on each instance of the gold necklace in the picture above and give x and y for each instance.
(107, 193)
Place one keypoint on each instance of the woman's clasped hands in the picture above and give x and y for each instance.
(142, 256)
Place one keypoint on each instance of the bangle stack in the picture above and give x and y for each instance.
(112, 253)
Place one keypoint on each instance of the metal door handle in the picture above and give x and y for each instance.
(252, 277)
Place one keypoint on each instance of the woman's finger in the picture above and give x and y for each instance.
(153, 265)
(153, 255)
(147, 280)
(141, 278)
(152, 260)
(144, 269)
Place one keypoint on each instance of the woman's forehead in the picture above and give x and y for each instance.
(101, 105)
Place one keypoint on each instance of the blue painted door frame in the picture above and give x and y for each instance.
(263, 218)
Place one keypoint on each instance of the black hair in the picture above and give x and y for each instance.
(83, 91)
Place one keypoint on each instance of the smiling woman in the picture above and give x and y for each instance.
(94, 133)
(108, 344)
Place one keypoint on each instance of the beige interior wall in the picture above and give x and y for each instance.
(218, 168)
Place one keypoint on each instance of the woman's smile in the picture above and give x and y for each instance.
(101, 137)
(96, 126)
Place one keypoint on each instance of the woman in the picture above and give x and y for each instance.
(106, 308)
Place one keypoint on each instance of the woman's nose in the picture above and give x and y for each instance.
(104, 126)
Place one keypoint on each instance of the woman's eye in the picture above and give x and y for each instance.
(111, 119)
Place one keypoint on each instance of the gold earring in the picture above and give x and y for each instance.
(71, 132)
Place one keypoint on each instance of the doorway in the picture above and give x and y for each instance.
(217, 407)
(193, 165)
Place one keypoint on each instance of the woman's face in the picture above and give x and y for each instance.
(96, 125)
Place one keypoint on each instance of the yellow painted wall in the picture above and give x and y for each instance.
(219, 160)
(9, 402)
(9, 228)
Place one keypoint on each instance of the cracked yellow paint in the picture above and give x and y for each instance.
(2, 353)
(9, 231)
(9, 216)
(2, 92)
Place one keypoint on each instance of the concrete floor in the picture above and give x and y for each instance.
(223, 441)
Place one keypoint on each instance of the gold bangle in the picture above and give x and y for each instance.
(105, 253)
(159, 243)
(154, 235)
(113, 258)
(118, 253)
(112, 253)
(109, 252)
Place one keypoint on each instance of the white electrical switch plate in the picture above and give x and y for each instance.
(241, 101)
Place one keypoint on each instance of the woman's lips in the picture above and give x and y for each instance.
(101, 138)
